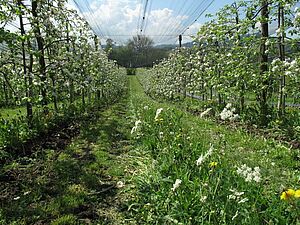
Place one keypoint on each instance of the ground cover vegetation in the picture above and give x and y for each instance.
(195, 171)
(97, 147)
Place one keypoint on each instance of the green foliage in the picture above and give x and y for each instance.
(224, 66)
(139, 52)
(198, 172)
(65, 220)
(131, 71)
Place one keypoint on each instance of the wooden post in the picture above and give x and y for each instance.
(264, 61)
(27, 93)
(281, 48)
(180, 41)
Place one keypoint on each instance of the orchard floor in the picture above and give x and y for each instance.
(76, 184)
(91, 180)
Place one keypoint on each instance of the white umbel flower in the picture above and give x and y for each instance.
(176, 184)
(158, 112)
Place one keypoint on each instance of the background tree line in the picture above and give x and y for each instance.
(138, 52)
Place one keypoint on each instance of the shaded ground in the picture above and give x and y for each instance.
(73, 182)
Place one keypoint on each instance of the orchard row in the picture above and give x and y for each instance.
(247, 55)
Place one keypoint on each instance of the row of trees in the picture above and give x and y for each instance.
(51, 55)
(138, 52)
(237, 58)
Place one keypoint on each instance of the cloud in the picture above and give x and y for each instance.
(119, 19)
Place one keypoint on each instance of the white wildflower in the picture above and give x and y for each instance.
(202, 158)
(176, 184)
(210, 150)
(203, 199)
(243, 200)
(228, 106)
(249, 174)
(17, 198)
(158, 112)
(161, 135)
(228, 113)
(236, 195)
(236, 214)
(136, 125)
(206, 112)
(120, 184)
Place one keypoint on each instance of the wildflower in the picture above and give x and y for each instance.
(228, 113)
(249, 174)
(203, 199)
(243, 200)
(161, 135)
(176, 184)
(205, 113)
(236, 214)
(213, 164)
(17, 198)
(228, 106)
(133, 130)
(202, 158)
(236, 195)
(120, 184)
(286, 195)
(297, 194)
(158, 112)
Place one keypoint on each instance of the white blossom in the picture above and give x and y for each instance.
(206, 112)
(202, 157)
(158, 112)
(249, 174)
(136, 125)
(176, 184)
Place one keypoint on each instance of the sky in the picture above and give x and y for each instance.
(164, 20)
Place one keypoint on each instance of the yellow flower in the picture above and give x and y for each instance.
(159, 120)
(213, 164)
(286, 195)
(297, 194)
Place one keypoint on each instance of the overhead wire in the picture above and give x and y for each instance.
(169, 23)
(177, 26)
(140, 16)
(194, 7)
(184, 14)
(148, 16)
(198, 16)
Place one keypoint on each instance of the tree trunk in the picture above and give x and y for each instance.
(242, 87)
(27, 93)
(41, 48)
(5, 94)
(30, 83)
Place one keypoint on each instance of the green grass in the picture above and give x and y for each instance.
(75, 185)
(174, 144)
(15, 112)
(109, 176)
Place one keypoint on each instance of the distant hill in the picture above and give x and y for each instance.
(173, 46)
